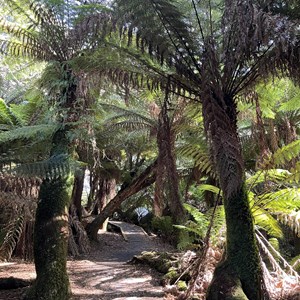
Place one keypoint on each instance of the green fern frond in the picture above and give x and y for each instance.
(21, 50)
(192, 227)
(265, 221)
(198, 216)
(28, 132)
(52, 168)
(287, 153)
(274, 175)
(126, 113)
(210, 188)
(219, 228)
(202, 160)
(284, 200)
(294, 176)
(129, 126)
(7, 116)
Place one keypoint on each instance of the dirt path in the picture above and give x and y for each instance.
(103, 273)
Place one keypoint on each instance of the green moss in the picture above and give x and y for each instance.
(226, 284)
(181, 285)
(239, 276)
(171, 275)
(51, 241)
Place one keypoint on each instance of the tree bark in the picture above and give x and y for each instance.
(51, 233)
(77, 192)
(142, 181)
(167, 174)
(239, 276)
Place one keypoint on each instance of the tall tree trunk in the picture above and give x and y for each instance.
(77, 192)
(167, 167)
(239, 276)
(51, 232)
(159, 202)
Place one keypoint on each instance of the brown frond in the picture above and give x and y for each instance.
(225, 145)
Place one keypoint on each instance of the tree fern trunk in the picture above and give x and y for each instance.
(166, 146)
(51, 233)
(239, 276)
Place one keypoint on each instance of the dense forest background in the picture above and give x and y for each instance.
(180, 116)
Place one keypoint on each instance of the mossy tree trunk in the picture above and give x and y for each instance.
(239, 276)
(51, 232)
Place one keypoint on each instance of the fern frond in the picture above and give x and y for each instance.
(284, 200)
(202, 159)
(11, 239)
(129, 126)
(265, 221)
(198, 216)
(7, 116)
(274, 175)
(20, 49)
(126, 113)
(287, 153)
(210, 188)
(54, 167)
(28, 132)
(294, 176)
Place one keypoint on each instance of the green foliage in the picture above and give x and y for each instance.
(7, 116)
(286, 153)
(163, 225)
(36, 132)
(55, 167)
(196, 228)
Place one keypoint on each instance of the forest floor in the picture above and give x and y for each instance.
(103, 273)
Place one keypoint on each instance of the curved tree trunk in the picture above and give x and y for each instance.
(142, 181)
(239, 276)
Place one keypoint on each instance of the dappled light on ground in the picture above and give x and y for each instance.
(103, 273)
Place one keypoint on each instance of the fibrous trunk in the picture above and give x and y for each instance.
(51, 233)
(239, 276)
(167, 176)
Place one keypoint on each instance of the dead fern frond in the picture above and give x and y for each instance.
(14, 231)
